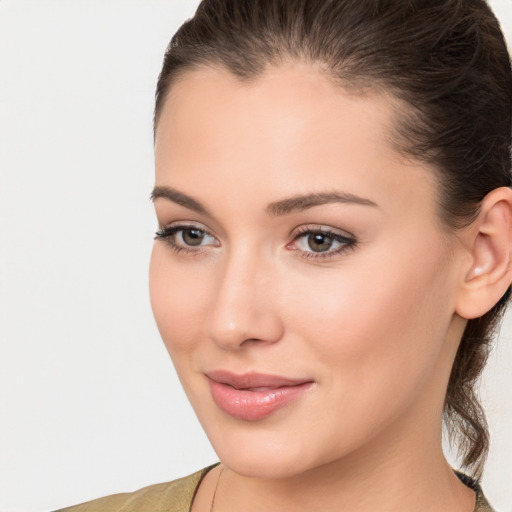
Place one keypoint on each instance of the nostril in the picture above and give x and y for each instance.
(252, 341)
(256, 330)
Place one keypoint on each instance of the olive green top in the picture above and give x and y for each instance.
(177, 496)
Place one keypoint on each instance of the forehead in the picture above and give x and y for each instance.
(278, 108)
(295, 92)
(290, 130)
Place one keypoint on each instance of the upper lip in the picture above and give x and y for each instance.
(253, 379)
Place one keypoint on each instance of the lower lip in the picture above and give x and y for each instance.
(254, 405)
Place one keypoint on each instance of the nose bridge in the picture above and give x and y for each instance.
(243, 308)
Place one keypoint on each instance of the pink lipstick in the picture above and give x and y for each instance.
(253, 396)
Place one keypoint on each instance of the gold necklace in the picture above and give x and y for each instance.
(215, 491)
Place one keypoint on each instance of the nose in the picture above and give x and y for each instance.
(244, 305)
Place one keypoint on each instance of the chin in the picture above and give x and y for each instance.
(273, 466)
(258, 450)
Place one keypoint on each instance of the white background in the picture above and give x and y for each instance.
(89, 403)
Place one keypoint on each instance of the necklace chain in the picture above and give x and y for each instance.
(215, 491)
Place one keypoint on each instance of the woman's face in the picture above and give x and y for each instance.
(300, 280)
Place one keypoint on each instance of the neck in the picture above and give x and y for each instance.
(397, 473)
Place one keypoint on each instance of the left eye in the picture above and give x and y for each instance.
(322, 242)
(317, 242)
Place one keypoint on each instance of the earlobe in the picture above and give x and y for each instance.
(490, 246)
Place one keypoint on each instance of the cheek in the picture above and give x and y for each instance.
(178, 301)
(376, 319)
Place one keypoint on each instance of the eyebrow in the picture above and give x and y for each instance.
(278, 208)
(303, 202)
(179, 198)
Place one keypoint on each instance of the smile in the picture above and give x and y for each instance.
(253, 396)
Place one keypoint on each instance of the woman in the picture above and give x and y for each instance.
(334, 249)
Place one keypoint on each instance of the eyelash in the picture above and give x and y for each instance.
(166, 234)
(349, 242)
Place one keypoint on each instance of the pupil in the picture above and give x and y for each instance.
(193, 236)
(318, 242)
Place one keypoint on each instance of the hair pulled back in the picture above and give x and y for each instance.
(447, 63)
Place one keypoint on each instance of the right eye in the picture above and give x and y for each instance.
(186, 238)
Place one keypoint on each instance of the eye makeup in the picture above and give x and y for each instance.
(318, 242)
(186, 238)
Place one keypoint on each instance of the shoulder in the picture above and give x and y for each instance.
(175, 496)
(482, 505)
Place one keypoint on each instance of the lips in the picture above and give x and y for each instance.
(254, 396)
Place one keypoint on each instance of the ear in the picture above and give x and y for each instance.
(488, 240)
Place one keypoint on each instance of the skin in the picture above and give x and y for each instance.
(375, 326)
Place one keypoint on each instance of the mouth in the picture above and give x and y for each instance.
(254, 396)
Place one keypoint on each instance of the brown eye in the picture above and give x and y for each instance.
(322, 243)
(186, 238)
(192, 236)
(319, 242)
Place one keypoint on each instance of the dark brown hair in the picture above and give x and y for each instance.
(446, 60)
